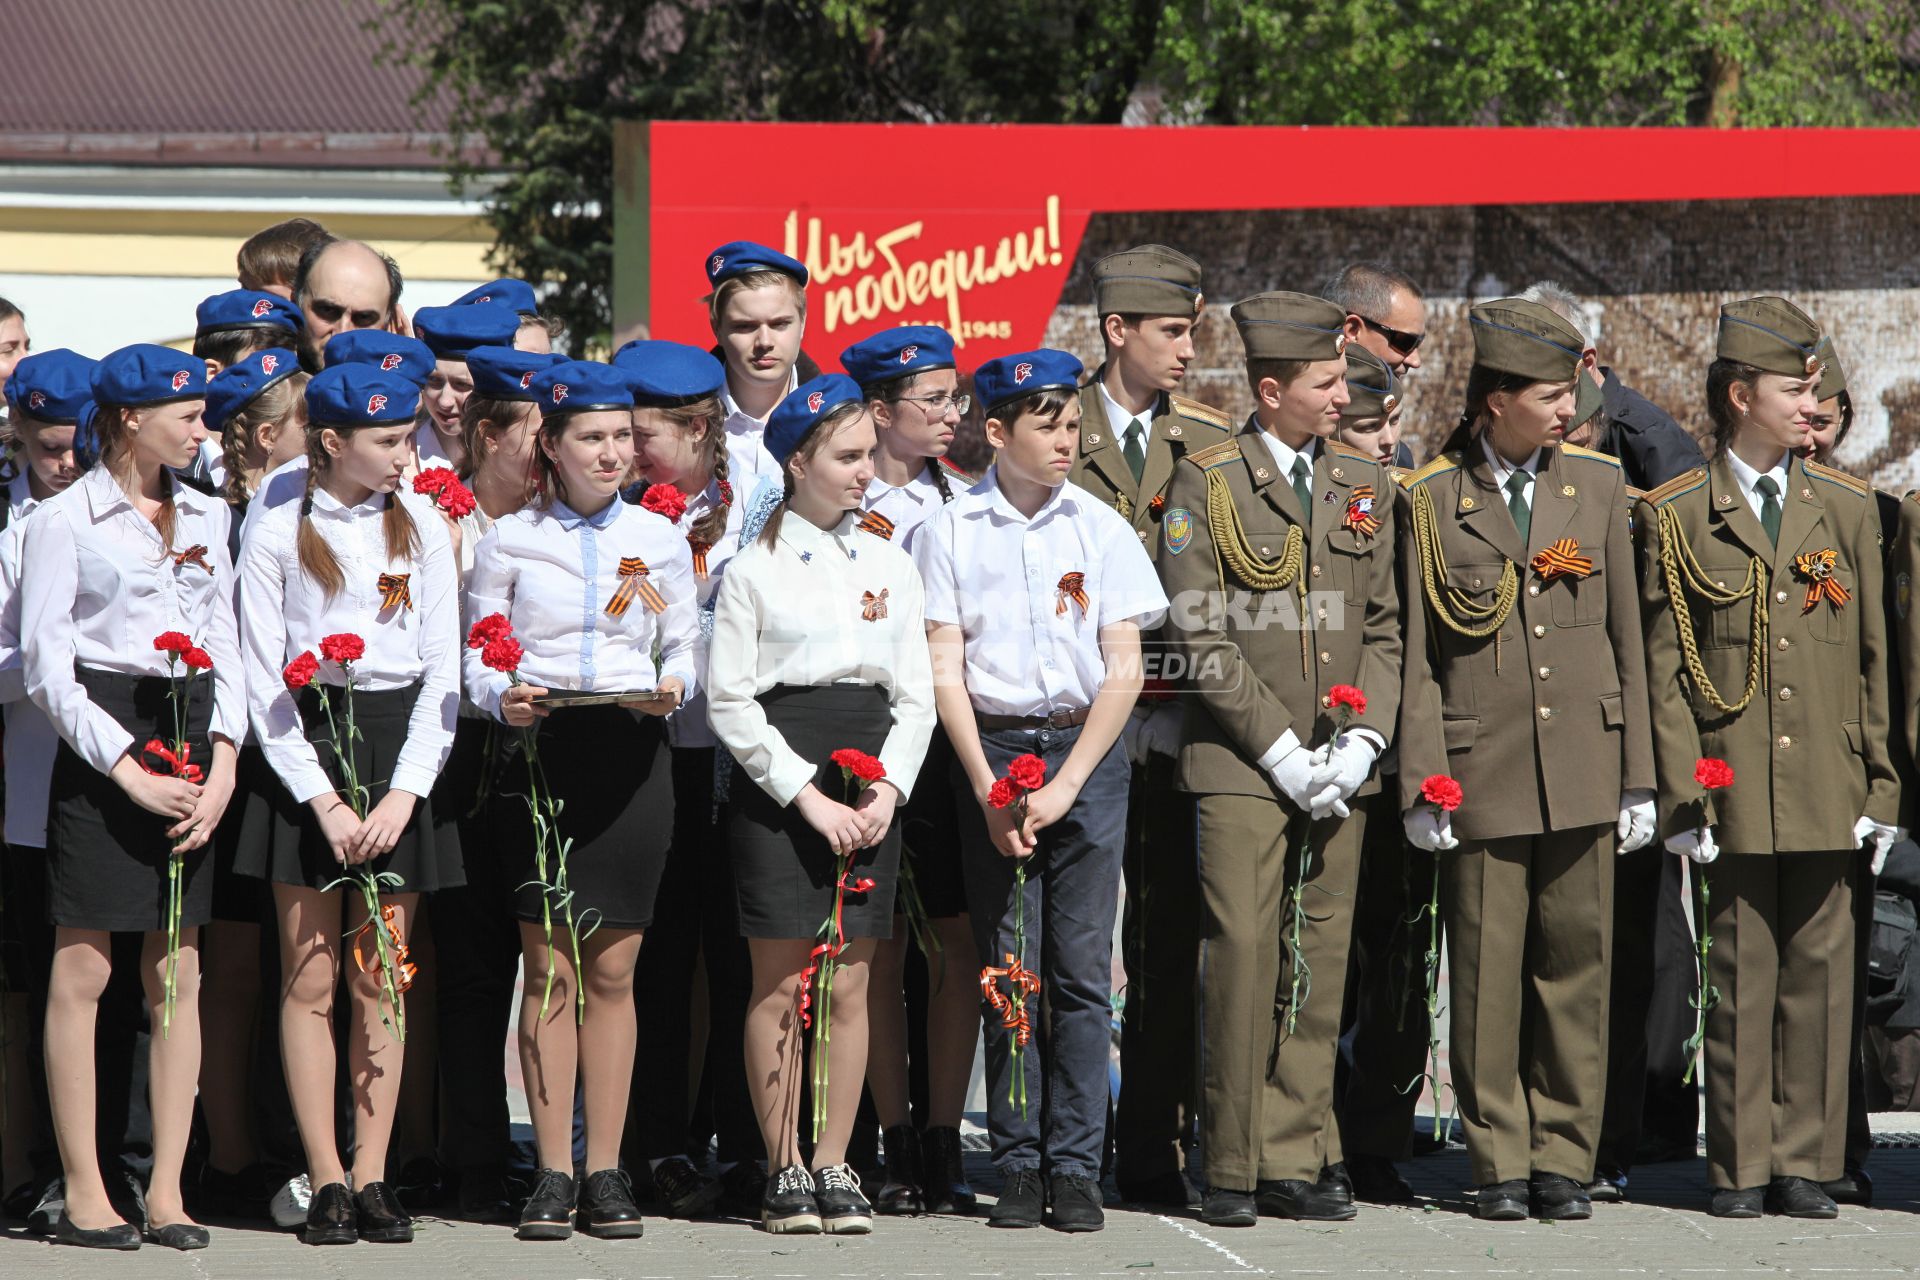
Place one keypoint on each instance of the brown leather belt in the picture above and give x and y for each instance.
(1056, 720)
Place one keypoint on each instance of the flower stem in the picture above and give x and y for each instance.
(1708, 995)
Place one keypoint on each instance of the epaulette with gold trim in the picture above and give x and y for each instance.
(1684, 483)
(1579, 451)
(1437, 467)
(1399, 474)
(1348, 451)
(1840, 478)
(1634, 495)
(1200, 412)
(1216, 455)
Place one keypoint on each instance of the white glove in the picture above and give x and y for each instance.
(1341, 767)
(1697, 845)
(1154, 729)
(1429, 828)
(1293, 773)
(1635, 829)
(1881, 836)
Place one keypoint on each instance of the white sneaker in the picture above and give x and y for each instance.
(290, 1203)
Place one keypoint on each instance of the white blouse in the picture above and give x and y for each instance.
(687, 726)
(821, 607)
(1032, 647)
(284, 612)
(30, 739)
(553, 572)
(103, 587)
(902, 510)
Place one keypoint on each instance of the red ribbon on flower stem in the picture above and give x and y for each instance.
(176, 762)
(1024, 984)
(404, 968)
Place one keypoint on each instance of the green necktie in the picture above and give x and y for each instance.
(1517, 503)
(1769, 492)
(1135, 448)
(1301, 488)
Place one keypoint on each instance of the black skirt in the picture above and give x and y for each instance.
(238, 898)
(281, 842)
(612, 773)
(930, 835)
(106, 856)
(783, 870)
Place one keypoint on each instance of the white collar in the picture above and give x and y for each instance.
(1502, 469)
(1284, 454)
(739, 419)
(326, 504)
(1746, 477)
(1119, 421)
(988, 497)
(806, 537)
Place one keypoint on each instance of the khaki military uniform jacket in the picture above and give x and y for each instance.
(1557, 693)
(1179, 427)
(1810, 750)
(1254, 679)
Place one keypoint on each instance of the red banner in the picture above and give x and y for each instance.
(975, 227)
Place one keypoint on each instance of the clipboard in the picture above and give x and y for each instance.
(566, 698)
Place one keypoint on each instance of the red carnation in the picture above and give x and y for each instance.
(434, 479)
(456, 500)
(1346, 695)
(172, 642)
(1713, 774)
(1442, 792)
(1027, 772)
(664, 500)
(197, 658)
(492, 627)
(502, 653)
(299, 672)
(1002, 793)
(342, 647)
(861, 765)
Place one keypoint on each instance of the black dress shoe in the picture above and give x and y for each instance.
(1225, 1207)
(1169, 1190)
(422, 1184)
(1851, 1187)
(383, 1220)
(548, 1214)
(1022, 1202)
(1376, 1180)
(1302, 1201)
(1074, 1203)
(844, 1210)
(1501, 1202)
(332, 1217)
(742, 1188)
(1335, 1183)
(1799, 1198)
(1737, 1202)
(607, 1210)
(121, 1235)
(901, 1174)
(179, 1235)
(788, 1205)
(1609, 1186)
(48, 1206)
(484, 1197)
(943, 1185)
(1559, 1199)
(682, 1190)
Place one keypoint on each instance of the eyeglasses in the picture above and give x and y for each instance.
(937, 404)
(1405, 343)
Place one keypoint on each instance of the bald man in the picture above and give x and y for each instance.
(342, 285)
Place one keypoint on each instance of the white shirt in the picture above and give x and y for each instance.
(284, 612)
(908, 505)
(429, 450)
(103, 587)
(797, 613)
(285, 483)
(1030, 648)
(747, 454)
(1120, 422)
(553, 571)
(687, 726)
(30, 739)
(213, 460)
(1746, 478)
(1502, 470)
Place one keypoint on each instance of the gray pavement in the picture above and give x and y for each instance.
(1664, 1233)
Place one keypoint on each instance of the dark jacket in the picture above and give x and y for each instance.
(1897, 1009)
(1651, 446)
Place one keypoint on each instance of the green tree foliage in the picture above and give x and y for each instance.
(539, 82)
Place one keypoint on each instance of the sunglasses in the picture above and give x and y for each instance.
(1405, 343)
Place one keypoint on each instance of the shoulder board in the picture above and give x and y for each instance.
(1680, 484)
(1633, 494)
(1399, 474)
(1576, 451)
(1215, 455)
(1348, 451)
(1840, 478)
(1439, 466)
(1200, 412)
(952, 470)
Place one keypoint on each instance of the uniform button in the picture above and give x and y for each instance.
(1546, 713)
(1265, 552)
(1533, 588)
(1785, 643)
(1316, 571)
(1325, 657)
(1476, 584)
(1539, 629)
(1785, 694)
(1783, 741)
(1545, 672)
(1780, 596)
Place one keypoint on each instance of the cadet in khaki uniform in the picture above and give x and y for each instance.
(1767, 648)
(1134, 431)
(1524, 662)
(1278, 545)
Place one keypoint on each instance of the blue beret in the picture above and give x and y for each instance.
(802, 411)
(741, 256)
(145, 374)
(52, 386)
(1012, 377)
(358, 395)
(411, 358)
(240, 383)
(506, 373)
(246, 309)
(665, 374)
(515, 295)
(453, 331)
(86, 440)
(580, 386)
(895, 353)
